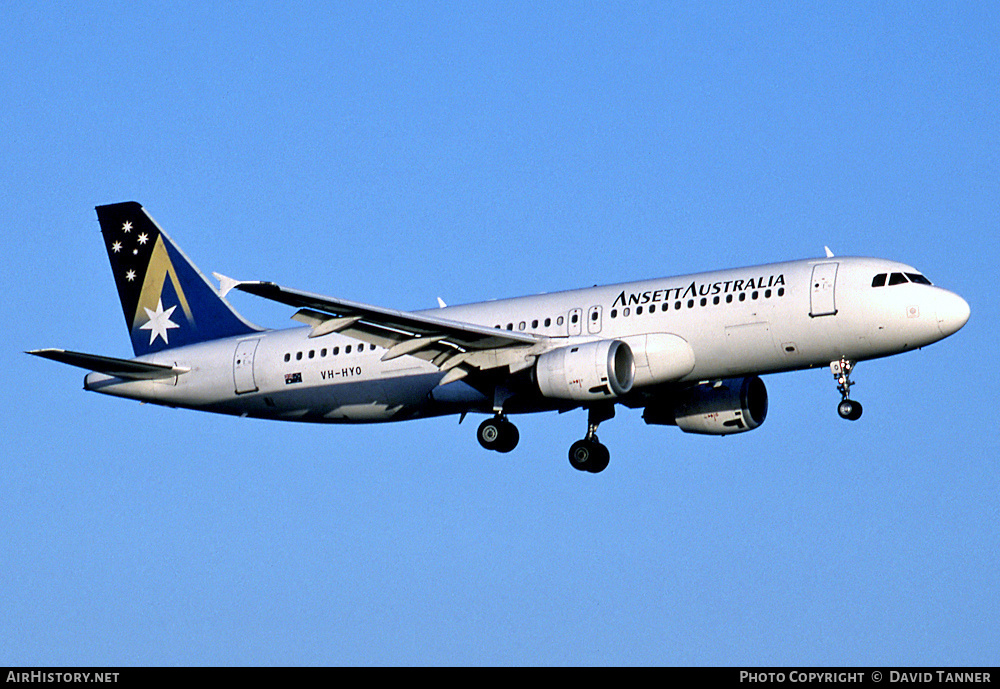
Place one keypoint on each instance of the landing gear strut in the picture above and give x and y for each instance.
(498, 434)
(589, 454)
(848, 408)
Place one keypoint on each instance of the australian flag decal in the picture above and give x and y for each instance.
(293, 378)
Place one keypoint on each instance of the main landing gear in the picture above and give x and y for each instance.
(589, 454)
(498, 434)
(848, 408)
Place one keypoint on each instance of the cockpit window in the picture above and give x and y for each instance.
(899, 279)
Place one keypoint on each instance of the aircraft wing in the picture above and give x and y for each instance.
(450, 345)
(119, 368)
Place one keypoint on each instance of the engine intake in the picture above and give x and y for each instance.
(735, 405)
(586, 372)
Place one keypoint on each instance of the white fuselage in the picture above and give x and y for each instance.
(707, 326)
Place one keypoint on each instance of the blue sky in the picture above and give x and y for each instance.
(394, 153)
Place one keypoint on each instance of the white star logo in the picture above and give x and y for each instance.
(143, 238)
(116, 247)
(127, 226)
(159, 322)
(130, 275)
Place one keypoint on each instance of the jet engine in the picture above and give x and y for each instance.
(735, 405)
(586, 372)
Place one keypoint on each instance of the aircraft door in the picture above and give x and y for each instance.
(594, 316)
(243, 366)
(575, 322)
(822, 290)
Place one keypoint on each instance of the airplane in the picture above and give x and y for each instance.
(689, 350)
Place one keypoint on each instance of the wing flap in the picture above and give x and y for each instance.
(440, 341)
(394, 325)
(387, 327)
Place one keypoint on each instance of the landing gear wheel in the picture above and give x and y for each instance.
(589, 455)
(498, 434)
(509, 436)
(849, 409)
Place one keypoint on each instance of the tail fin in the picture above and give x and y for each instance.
(167, 301)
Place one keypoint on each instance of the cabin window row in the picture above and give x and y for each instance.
(703, 301)
(324, 352)
(650, 308)
(523, 325)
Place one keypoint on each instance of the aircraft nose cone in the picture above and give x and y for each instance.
(952, 313)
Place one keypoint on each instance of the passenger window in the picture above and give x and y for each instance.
(897, 279)
(288, 357)
(548, 322)
(560, 320)
(879, 280)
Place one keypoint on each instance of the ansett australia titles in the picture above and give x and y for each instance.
(695, 289)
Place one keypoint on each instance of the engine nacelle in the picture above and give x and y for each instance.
(735, 405)
(586, 372)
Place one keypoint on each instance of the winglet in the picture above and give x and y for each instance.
(226, 284)
(829, 254)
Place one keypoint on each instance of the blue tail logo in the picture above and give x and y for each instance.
(166, 300)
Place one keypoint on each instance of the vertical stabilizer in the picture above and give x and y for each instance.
(166, 300)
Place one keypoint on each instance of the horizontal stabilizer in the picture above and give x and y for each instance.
(128, 369)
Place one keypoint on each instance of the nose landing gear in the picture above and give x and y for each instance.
(848, 408)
